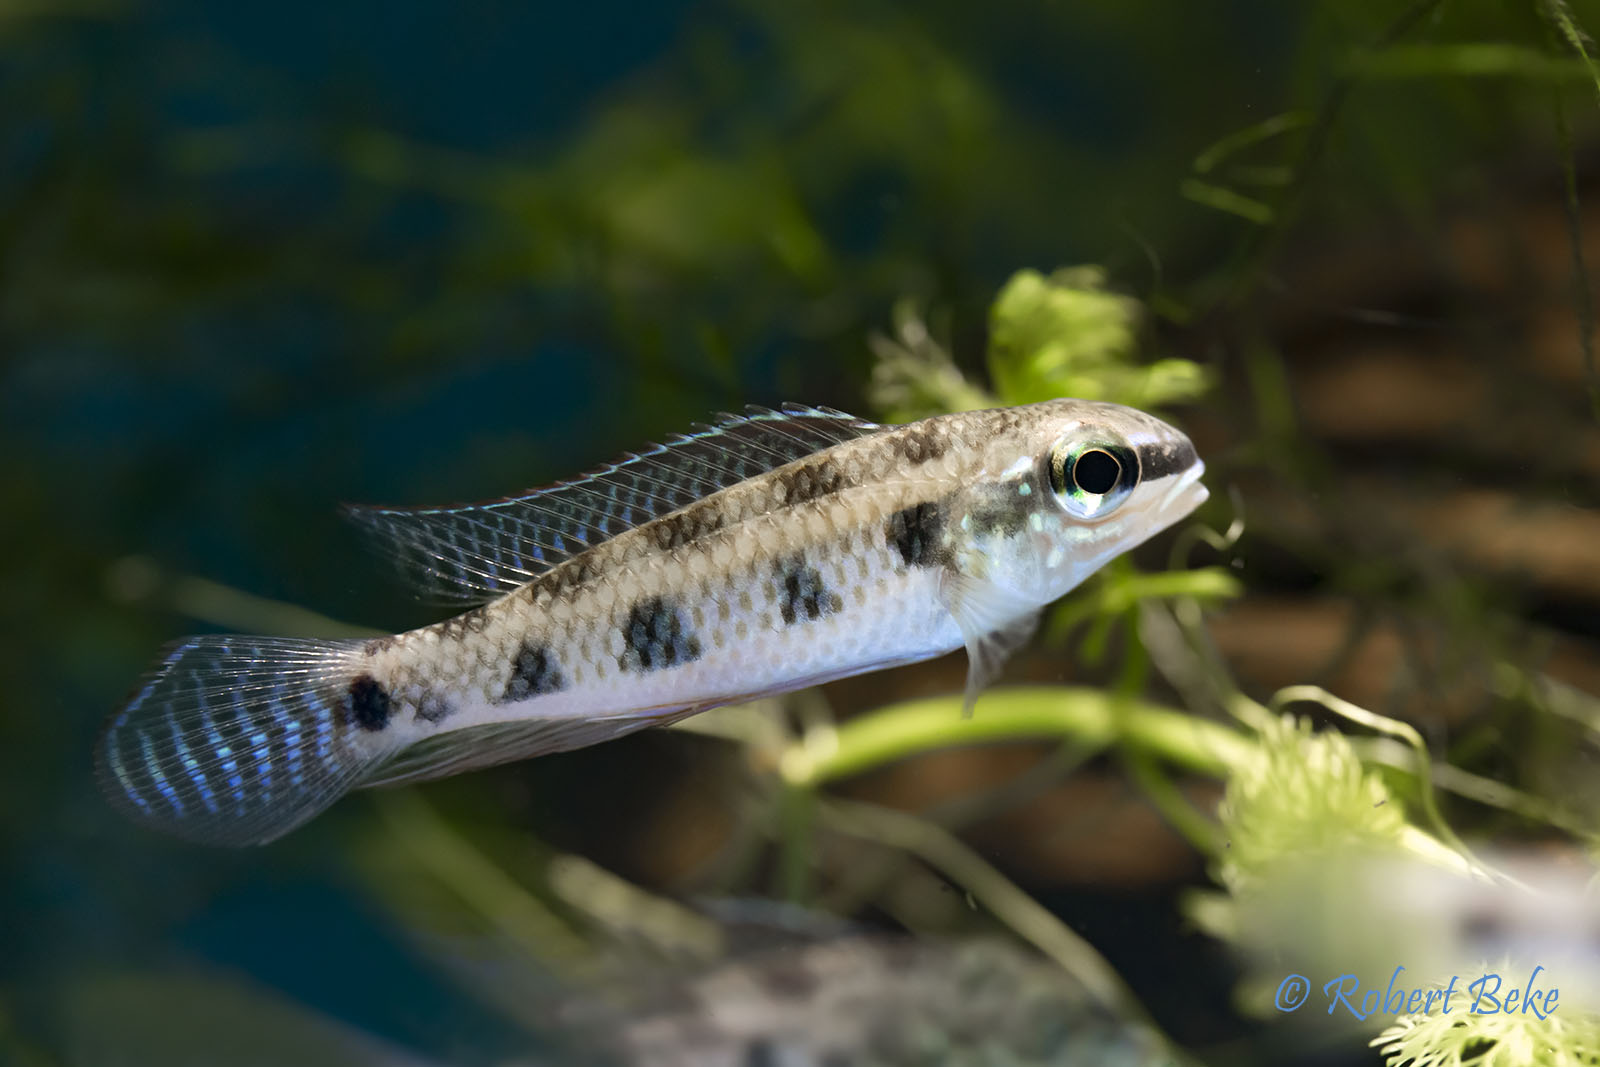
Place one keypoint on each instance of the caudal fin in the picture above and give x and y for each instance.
(238, 740)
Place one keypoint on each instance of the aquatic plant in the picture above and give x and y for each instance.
(1491, 1041)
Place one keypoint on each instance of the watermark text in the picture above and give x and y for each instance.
(1486, 994)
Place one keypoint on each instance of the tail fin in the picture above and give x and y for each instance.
(238, 740)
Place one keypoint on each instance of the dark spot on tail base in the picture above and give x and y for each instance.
(368, 703)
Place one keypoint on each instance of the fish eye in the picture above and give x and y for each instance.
(1092, 475)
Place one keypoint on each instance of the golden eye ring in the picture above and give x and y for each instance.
(1096, 471)
(1092, 475)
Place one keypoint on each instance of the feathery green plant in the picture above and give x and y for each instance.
(1302, 792)
(1438, 1040)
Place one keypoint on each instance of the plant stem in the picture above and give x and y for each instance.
(1089, 717)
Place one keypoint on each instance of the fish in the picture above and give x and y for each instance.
(762, 553)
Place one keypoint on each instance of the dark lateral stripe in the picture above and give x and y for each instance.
(917, 533)
(1157, 462)
(468, 622)
(686, 526)
(534, 672)
(812, 480)
(919, 443)
(579, 570)
(809, 480)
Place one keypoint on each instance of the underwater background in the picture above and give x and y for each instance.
(261, 259)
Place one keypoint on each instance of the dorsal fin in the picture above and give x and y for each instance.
(475, 552)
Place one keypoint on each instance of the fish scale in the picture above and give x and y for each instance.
(783, 549)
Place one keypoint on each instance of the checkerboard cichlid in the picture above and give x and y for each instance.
(764, 553)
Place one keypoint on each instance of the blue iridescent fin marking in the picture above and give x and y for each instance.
(214, 744)
(471, 553)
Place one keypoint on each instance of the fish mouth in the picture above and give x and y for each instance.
(1185, 495)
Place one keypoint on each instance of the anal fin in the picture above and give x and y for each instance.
(472, 747)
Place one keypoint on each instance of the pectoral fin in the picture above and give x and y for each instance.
(994, 622)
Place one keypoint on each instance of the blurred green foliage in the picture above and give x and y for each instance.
(1062, 335)
(1065, 335)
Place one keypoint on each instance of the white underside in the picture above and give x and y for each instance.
(901, 621)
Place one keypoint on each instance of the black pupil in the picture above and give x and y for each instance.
(1096, 472)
